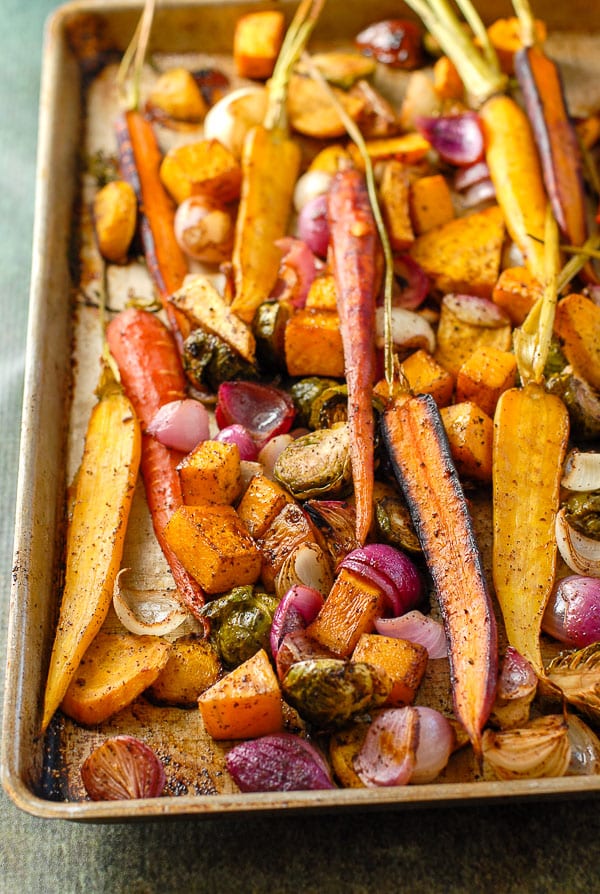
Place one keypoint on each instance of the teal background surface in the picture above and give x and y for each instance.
(534, 848)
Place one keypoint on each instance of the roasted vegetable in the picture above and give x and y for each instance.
(582, 403)
(209, 361)
(240, 623)
(304, 393)
(269, 330)
(317, 464)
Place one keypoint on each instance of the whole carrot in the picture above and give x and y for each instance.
(353, 244)
(151, 374)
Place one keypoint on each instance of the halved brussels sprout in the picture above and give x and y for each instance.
(582, 512)
(393, 523)
(240, 623)
(330, 691)
(269, 331)
(210, 361)
(304, 392)
(329, 407)
(582, 402)
(316, 464)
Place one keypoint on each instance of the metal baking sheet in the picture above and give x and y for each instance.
(41, 776)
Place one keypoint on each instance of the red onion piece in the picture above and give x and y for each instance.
(271, 450)
(388, 753)
(517, 676)
(391, 570)
(436, 741)
(458, 139)
(278, 763)
(470, 175)
(238, 434)
(416, 627)
(263, 410)
(180, 424)
(296, 646)
(123, 767)
(481, 192)
(475, 310)
(297, 270)
(572, 615)
(297, 608)
(313, 225)
(412, 283)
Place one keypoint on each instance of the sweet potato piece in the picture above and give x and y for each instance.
(350, 610)
(115, 216)
(263, 500)
(244, 704)
(322, 294)
(177, 94)
(505, 37)
(211, 473)
(464, 254)
(205, 167)
(457, 338)
(426, 376)
(192, 667)
(484, 376)
(470, 434)
(313, 344)
(395, 193)
(404, 662)
(214, 546)
(430, 203)
(116, 668)
(447, 82)
(516, 291)
(257, 40)
(329, 158)
(408, 148)
(312, 113)
(577, 325)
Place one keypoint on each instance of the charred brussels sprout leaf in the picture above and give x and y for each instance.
(329, 407)
(393, 522)
(581, 400)
(582, 512)
(269, 331)
(330, 691)
(316, 464)
(240, 623)
(304, 392)
(210, 361)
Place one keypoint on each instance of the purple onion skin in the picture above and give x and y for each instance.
(291, 613)
(572, 615)
(278, 763)
(458, 139)
(390, 569)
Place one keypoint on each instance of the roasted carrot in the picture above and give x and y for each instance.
(103, 494)
(353, 245)
(146, 354)
(270, 167)
(420, 455)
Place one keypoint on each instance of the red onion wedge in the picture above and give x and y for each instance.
(263, 410)
(278, 763)
(123, 768)
(239, 435)
(470, 175)
(391, 570)
(297, 270)
(313, 226)
(180, 424)
(458, 139)
(297, 608)
(416, 627)
(411, 283)
(572, 615)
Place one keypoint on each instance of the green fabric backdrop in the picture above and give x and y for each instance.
(528, 848)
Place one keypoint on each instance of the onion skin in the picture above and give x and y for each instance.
(458, 139)
(313, 226)
(278, 763)
(297, 608)
(239, 435)
(391, 570)
(418, 628)
(123, 767)
(572, 615)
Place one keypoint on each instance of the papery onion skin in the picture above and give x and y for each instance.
(539, 749)
(180, 424)
(418, 628)
(517, 686)
(123, 767)
(580, 553)
(388, 567)
(458, 139)
(572, 615)
(278, 763)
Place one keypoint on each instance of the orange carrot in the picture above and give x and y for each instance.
(353, 242)
(151, 374)
(140, 159)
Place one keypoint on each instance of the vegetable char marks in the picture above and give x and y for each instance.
(353, 246)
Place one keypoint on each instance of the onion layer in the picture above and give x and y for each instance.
(392, 571)
(572, 615)
(416, 627)
(458, 139)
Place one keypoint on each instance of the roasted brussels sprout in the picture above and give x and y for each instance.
(393, 523)
(330, 691)
(556, 360)
(316, 464)
(240, 623)
(582, 402)
(329, 407)
(269, 331)
(582, 512)
(304, 392)
(210, 361)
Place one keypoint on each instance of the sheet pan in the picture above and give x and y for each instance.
(41, 775)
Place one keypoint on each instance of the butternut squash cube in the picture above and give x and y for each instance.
(516, 291)
(447, 82)
(192, 667)
(177, 94)
(426, 376)
(256, 43)
(577, 325)
(464, 254)
(322, 293)
(458, 337)
(430, 203)
(244, 704)
(404, 663)
(470, 434)
(211, 473)
(313, 344)
(205, 167)
(263, 500)
(394, 192)
(116, 668)
(214, 546)
(349, 610)
(484, 376)
(329, 158)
